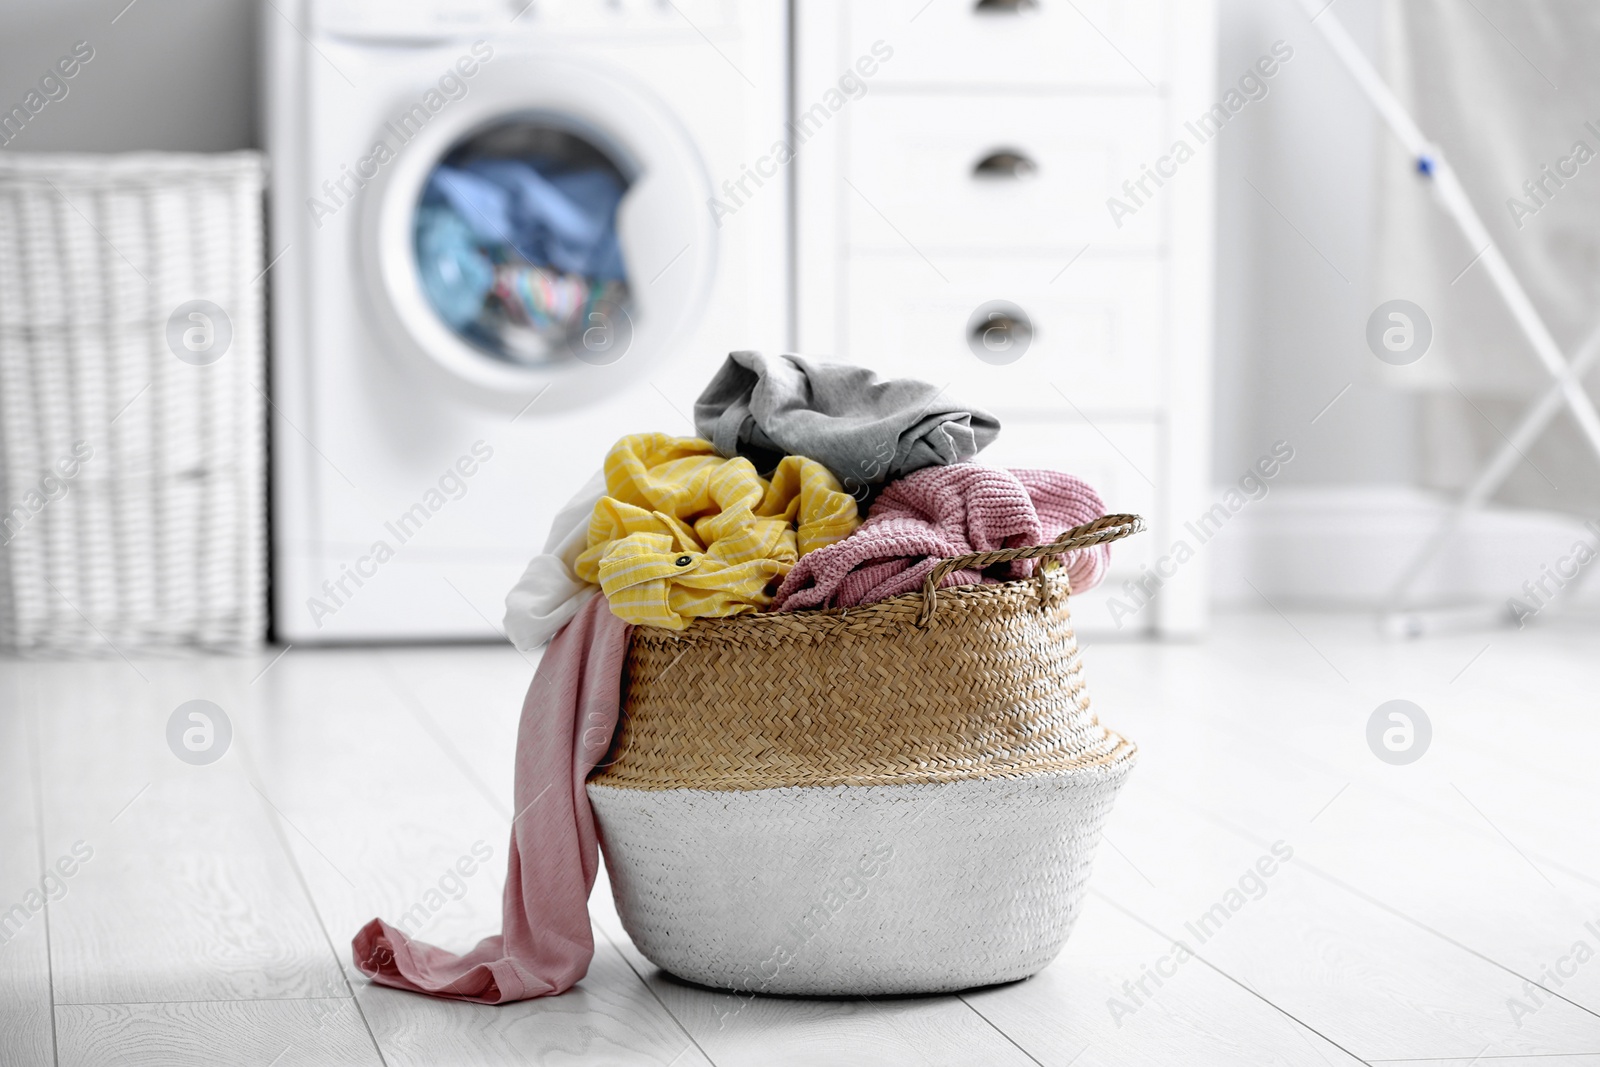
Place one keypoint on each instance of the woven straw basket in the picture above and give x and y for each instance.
(898, 798)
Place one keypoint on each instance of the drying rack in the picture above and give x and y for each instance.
(1401, 618)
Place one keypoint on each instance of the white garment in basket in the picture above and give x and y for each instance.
(549, 593)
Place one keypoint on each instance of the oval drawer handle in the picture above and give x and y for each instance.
(1005, 163)
(1005, 7)
(1000, 330)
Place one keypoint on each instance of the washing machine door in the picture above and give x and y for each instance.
(437, 236)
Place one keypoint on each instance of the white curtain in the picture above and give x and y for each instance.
(1507, 88)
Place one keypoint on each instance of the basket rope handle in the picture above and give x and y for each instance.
(1101, 531)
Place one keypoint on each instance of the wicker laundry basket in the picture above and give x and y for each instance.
(132, 434)
(898, 798)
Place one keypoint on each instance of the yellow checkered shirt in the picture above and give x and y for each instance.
(683, 533)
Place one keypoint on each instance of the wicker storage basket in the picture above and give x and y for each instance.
(898, 798)
(132, 479)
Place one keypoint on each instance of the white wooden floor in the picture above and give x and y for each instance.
(1424, 907)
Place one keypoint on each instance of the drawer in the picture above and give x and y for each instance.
(1115, 456)
(914, 162)
(1050, 42)
(1096, 328)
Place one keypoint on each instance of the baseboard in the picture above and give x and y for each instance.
(1344, 547)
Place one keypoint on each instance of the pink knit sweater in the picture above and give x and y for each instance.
(939, 512)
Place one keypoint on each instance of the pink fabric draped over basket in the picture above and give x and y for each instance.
(546, 945)
(940, 512)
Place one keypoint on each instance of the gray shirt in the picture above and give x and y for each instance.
(866, 431)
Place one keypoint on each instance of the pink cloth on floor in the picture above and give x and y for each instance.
(545, 947)
(939, 512)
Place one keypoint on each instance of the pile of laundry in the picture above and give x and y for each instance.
(516, 253)
(761, 512)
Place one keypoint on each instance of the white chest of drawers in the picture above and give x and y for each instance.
(956, 162)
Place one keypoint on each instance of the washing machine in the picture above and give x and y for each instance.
(503, 234)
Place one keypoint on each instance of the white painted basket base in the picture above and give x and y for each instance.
(851, 890)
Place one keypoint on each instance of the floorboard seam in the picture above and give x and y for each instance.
(1275, 1007)
(656, 996)
(1306, 761)
(1487, 1059)
(36, 764)
(962, 997)
(204, 1000)
(1360, 894)
(316, 912)
(424, 719)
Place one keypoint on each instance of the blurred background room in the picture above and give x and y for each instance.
(314, 314)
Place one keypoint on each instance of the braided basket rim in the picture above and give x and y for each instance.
(907, 605)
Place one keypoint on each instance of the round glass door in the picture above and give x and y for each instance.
(516, 243)
(546, 236)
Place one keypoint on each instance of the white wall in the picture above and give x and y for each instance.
(167, 74)
(1290, 329)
